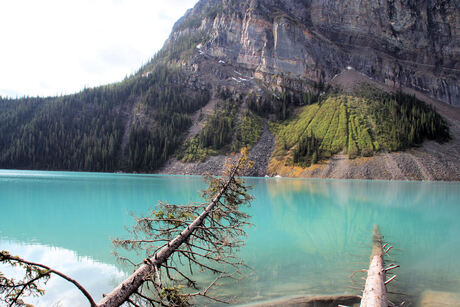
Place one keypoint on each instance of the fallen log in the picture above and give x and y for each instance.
(375, 291)
(130, 285)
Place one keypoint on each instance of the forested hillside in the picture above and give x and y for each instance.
(78, 132)
(133, 125)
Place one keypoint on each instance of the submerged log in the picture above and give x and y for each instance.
(375, 291)
(312, 301)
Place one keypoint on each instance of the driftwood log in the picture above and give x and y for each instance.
(375, 291)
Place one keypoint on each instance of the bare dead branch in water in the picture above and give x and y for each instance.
(391, 267)
(388, 249)
(390, 279)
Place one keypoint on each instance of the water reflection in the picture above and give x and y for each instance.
(308, 235)
(97, 277)
(319, 230)
(82, 211)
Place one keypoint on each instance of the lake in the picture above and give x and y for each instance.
(308, 237)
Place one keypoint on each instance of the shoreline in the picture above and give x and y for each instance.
(454, 181)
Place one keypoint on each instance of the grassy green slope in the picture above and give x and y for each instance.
(358, 125)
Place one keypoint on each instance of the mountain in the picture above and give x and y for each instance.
(412, 43)
(343, 89)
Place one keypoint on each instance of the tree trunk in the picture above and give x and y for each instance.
(129, 286)
(375, 291)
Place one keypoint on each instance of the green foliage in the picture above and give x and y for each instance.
(219, 127)
(339, 140)
(403, 121)
(223, 93)
(149, 146)
(321, 123)
(174, 296)
(278, 104)
(249, 131)
(223, 132)
(217, 134)
(307, 151)
(77, 132)
(291, 130)
(360, 126)
(194, 151)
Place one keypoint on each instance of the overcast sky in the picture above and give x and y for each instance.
(53, 47)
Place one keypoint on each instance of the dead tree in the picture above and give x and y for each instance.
(181, 238)
(375, 291)
(177, 240)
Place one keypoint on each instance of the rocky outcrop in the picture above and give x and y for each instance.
(265, 45)
(411, 43)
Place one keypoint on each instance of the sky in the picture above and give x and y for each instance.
(55, 47)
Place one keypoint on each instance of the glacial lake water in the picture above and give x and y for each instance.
(307, 239)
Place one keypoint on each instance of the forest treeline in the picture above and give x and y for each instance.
(139, 123)
(133, 125)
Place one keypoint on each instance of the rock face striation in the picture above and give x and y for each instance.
(412, 43)
(267, 47)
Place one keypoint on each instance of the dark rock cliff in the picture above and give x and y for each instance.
(414, 43)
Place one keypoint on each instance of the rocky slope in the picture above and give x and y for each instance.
(263, 46)
(431, 161)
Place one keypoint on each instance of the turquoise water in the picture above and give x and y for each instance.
(308, 235)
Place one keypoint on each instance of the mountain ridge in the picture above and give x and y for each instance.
(317, 39)
(231, 71)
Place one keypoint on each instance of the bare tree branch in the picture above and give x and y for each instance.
(6, 257)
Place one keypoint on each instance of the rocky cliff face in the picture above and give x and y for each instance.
(270, 48)
(414, 43)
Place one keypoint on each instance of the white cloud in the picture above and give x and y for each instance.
(52, 47)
